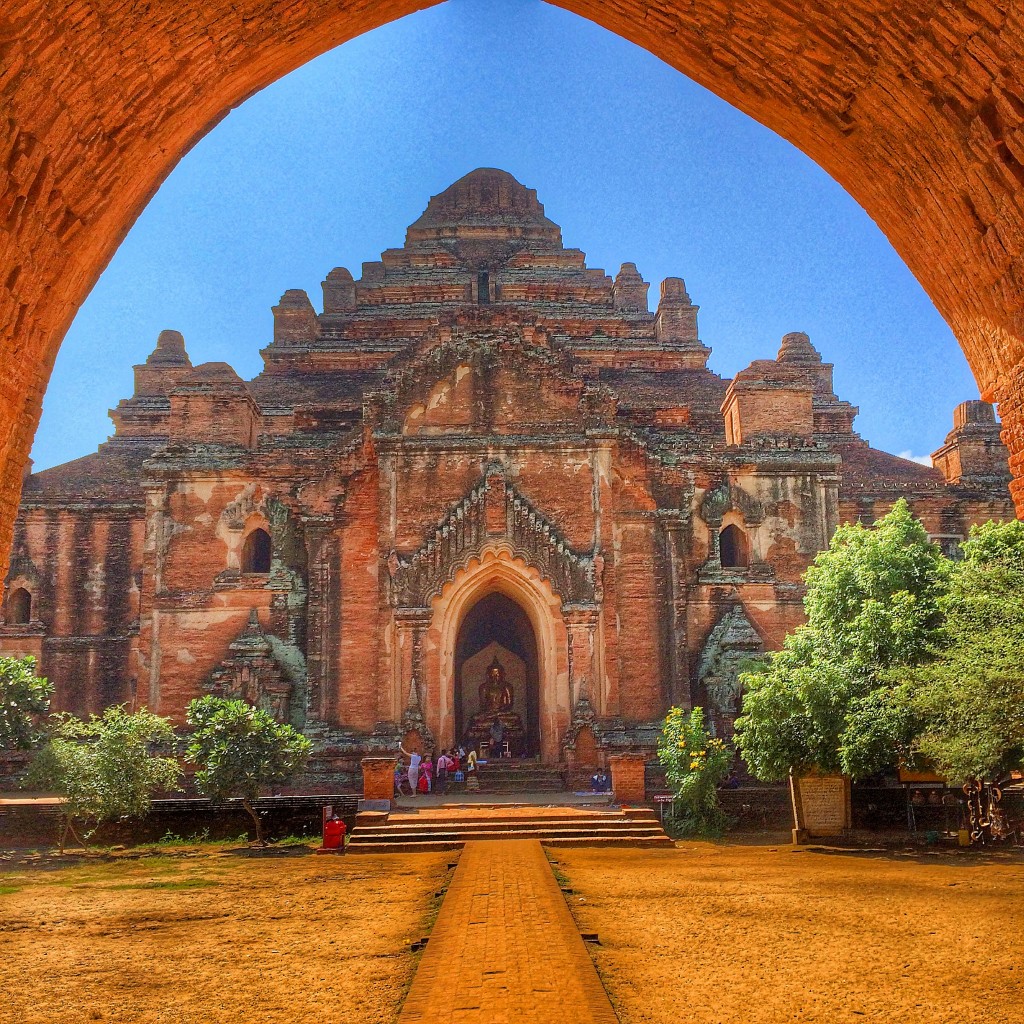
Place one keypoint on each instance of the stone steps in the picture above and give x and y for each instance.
(511, 776)
(450, 828)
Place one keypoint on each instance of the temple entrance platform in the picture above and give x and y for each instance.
(449, 826)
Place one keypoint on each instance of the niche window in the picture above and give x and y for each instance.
(733, 549)
(19, 607)
(483, 288)
(256, 552)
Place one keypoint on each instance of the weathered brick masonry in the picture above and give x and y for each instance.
(481, 451)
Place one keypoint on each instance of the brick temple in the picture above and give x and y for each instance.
(484, 482)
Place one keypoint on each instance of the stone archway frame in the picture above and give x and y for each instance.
(499, 570)
(915, 108)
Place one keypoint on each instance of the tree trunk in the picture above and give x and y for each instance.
(260, 841)
(69, 826)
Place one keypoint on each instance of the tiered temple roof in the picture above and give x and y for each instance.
(484, 252)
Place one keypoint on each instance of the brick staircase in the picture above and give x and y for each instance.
(520, 776)
(450, 827)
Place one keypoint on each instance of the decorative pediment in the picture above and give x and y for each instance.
(491, 381)
(248, 503)
(728, 497)
(583, 717)
(24, 570)
(493, 512)
(732, 642)
(251, 673)
(413, 720)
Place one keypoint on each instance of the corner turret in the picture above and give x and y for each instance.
(295, 321)
(629, 293)
(974, 454)
(145, 413)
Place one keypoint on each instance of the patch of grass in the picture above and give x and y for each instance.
(296, 841)
(170, 840)
(174, 884)
(560, 876)
(7, 890)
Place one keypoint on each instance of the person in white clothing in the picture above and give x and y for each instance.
(414, 767)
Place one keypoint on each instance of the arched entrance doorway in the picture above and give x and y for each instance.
(496, 663)
(473, 599)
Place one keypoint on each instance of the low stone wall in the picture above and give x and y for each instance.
(757, 808)
(28, 824)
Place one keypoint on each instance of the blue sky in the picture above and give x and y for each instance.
(637, 163)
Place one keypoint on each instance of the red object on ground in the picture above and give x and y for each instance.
(334, 834)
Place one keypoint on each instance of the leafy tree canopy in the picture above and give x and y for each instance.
(105, 767)
(874, 603)
(24, 699)
(240, 750)
(970, 699)
(874, 597)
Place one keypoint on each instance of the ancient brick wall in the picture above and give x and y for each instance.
(81, 570)
(320, 558)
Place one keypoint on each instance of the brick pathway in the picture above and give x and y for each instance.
(505, 948)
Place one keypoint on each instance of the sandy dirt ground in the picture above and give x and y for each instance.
(709, 934)
(213, 937)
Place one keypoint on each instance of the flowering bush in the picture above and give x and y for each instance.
(695, 764)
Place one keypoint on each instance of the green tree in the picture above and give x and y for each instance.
(695, 764)
(106, 767)
(240, 750)
(970, 698)
(24, 699)
(830, 700)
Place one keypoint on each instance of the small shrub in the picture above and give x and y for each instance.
(24, 699)
(695, 764)
(239, 750)
(105, 768)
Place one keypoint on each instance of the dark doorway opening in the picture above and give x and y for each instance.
(732, 543)
(256, 552)
(19, 607)
(496, 629)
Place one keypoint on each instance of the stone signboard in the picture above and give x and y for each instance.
(821, 805)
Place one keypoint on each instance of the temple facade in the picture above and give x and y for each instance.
(485, 484)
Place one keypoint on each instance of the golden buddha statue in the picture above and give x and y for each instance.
(495, 691)
(496, 716)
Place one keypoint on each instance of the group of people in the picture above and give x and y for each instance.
(425, 775)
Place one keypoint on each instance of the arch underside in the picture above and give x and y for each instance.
(916, 108)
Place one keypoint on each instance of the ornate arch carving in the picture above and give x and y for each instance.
(728, 497)
(493, 512)
(733, 641)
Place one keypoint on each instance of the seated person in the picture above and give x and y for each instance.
(600, 782)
